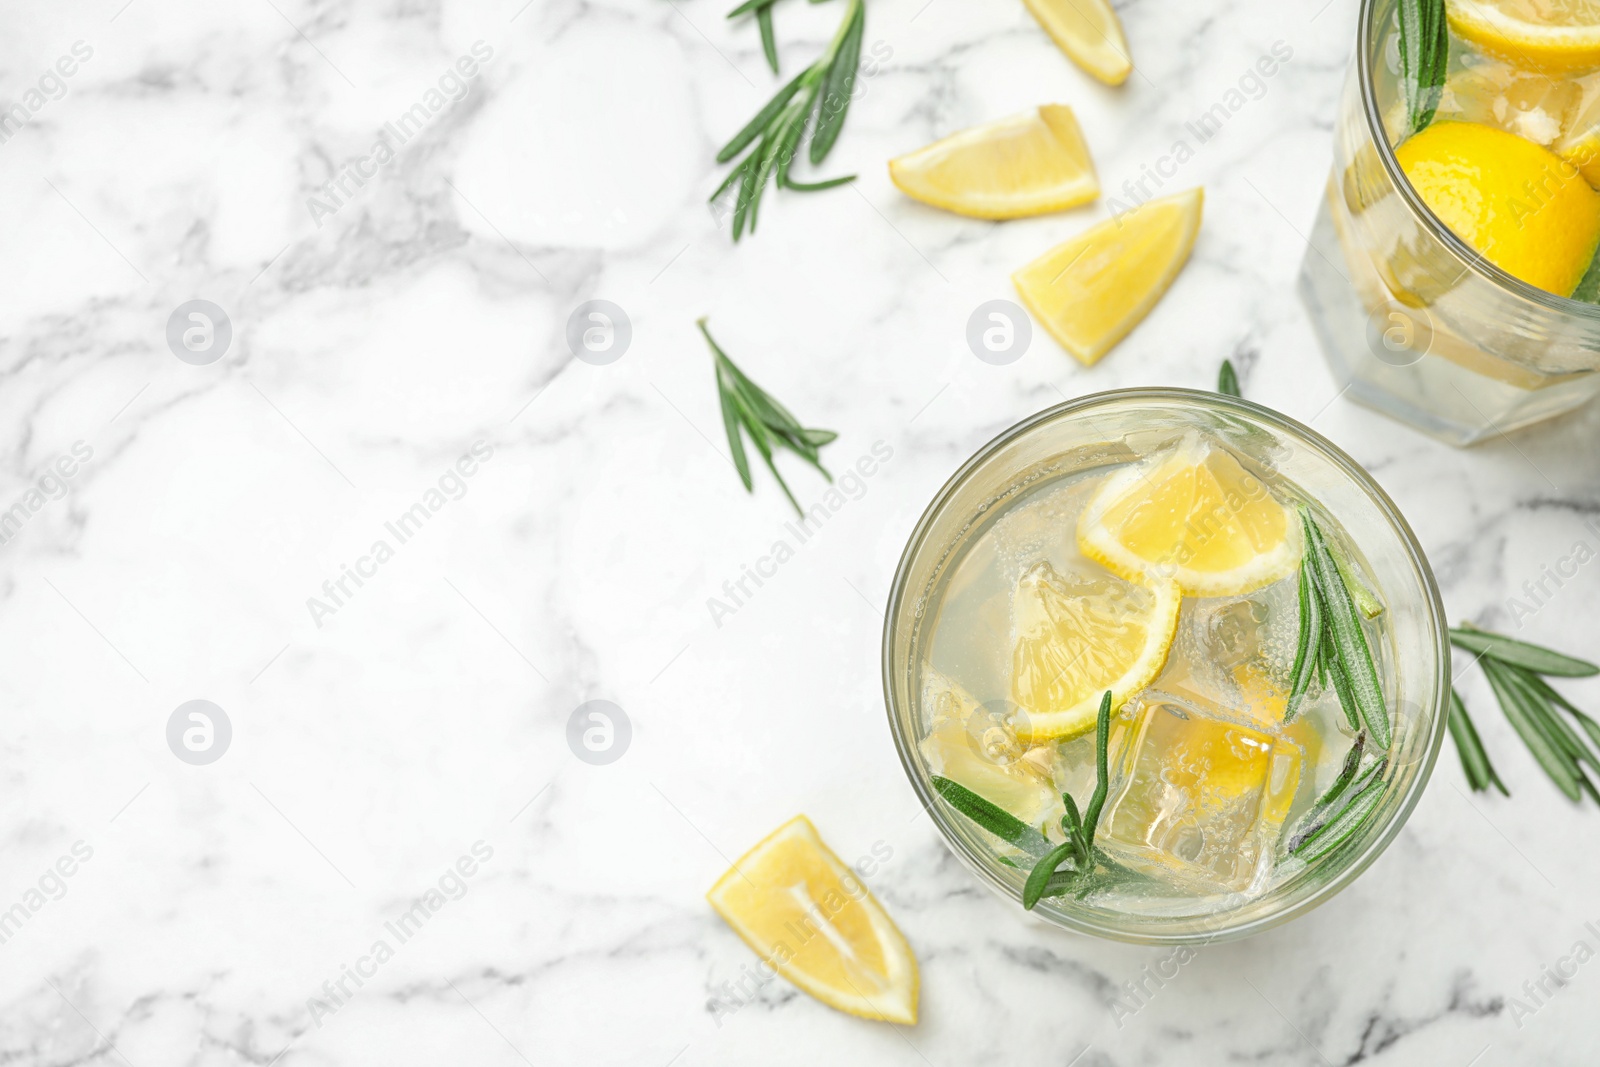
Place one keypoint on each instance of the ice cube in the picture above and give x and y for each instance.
(1237, 652)
(1201, 798)
(974, 744)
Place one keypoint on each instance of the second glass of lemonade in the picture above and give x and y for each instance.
(1424, 322)
(1160, 546)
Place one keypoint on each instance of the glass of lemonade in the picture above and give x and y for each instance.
(1472, 331)
(1150, 543)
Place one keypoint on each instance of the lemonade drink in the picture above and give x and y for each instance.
(1160, 560)
(1449, 275)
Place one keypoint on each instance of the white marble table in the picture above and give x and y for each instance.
(405, 738)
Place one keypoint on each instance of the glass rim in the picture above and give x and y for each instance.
(912, 764)
(1469, 257)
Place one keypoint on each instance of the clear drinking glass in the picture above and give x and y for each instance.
(1100, 432)
(1413, 321)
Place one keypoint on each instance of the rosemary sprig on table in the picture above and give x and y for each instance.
(1516, 672)
(1424, 54)
(769, 425)
(812, 105)
(1046, 878)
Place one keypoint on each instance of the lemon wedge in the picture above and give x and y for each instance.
(1089, 32)
(1074, 637)
(1193, 516)
(1525, 208)
(1092, 290)
(811, 919)
(1028, 164)
(1563, 35)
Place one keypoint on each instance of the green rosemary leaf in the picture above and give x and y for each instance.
(1555, 726)
(1524, 718)
(1097, 802)
(1347, 635)
(1521, 654)
(1039, 878)
(749, 6)
(1366, 601)
(1228, 380)
(839, 84)
(1307, 647)
(1348, 822)
(730, 422)
(742, 199)
(756, 126)
(1328, 660)
(991, 817)
(1071, 821)
(1424, 55)
(1590, 727)
(769, 42)
(1318, 813)
(1474, 760)
(814, 187)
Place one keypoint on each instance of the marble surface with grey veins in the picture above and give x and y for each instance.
(396, 535)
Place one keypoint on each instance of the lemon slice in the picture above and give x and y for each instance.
(1028, 164)
(1525, 208)
(1561, 35)
(1091, 291)
(1089, 32)
(811, 919)
(1193, 516)
(1074, 637)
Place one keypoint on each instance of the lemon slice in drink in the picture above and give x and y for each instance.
(1091, 291)
(1193, 516)
(1074, 637)
(1028, 164)
(813, 920)
(1089, 32)
(1525, 208)
(1559, 35)
(1579, 142)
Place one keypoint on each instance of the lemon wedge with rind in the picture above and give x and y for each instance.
(1527, 210)
(1532, 33)
(1195, 517)
(1089, 32)
(1029, 164)
(1076, 636)
(815, 922)
(1092, 290)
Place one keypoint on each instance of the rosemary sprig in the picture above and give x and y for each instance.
(1079, 845)
(812, 105)
(1347, 657)
(1474, 759)
(769, 41)
(1533, 708)
(768, 423)
(1424, 54)
(991, 817)
(1331, 823)
(1308, 649)
(1228, 380)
